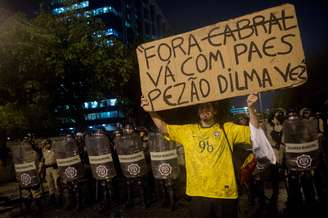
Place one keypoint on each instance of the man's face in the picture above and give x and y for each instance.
(129, 129)
(142, 134)
(279, 116)
(79, 138)
(242, 121)
(47, 146)
(292, 116)
(306, 114)
(206, 112)
(117, 134)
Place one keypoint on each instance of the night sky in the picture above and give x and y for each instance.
(186, 15)
(26, 6)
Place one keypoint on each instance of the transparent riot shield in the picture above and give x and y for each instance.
(131, 156)
(164, 158)
(100, 156)
(68, 159)
(25, 163)
(302, 146)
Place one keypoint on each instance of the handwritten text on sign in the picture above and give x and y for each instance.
(257, 52)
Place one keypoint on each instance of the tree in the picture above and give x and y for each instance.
(85, 65)
(47, 61)
(23, 77)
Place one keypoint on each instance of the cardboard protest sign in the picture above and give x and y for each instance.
(257, 52)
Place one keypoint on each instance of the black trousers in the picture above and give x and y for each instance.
(202, 207)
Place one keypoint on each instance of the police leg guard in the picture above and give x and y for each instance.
(27, 202)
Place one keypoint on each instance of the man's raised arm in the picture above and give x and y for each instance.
(261, 146)
(251, 101)
(161, 125)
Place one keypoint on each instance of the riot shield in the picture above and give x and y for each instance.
(164, 158)
(68, 159)
(302, 146)
(131, 156)
(25, 163)
(100, 156)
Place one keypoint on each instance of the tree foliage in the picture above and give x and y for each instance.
(48, 61)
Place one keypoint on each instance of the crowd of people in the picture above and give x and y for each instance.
(86, 189)
(306, 186)
(214, 179)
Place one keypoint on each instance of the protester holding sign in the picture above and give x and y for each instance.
(211, 181)
(261, 51)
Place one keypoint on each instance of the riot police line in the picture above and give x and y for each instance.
(300, 144)
(296, 140)
(92, 173)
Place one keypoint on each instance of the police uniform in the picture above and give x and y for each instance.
(51, 169)
(34, 191)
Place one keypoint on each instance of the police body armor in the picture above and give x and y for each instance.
(164, 158)
(100, 156)
(131, 156)
(302, 145)
(68, 159)
(25, 163)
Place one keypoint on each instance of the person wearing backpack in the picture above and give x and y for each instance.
(211, 180)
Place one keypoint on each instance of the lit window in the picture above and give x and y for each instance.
(113, 102)
(101, 115)
(94, 104)
(58, 10)
(101, 104)
(107, 32)
(88, 14)
(103, 10)
(110, 42)
(110, 127)
(110, 32)
(73, 7)
(127, 24)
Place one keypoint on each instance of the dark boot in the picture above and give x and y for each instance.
(52, 200)
(39, 206)
(129, 202)
(26, 207)
(58, 201)
(171, 193)
(78, 197)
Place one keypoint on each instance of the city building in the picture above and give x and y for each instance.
(238, 110)
(130, 21)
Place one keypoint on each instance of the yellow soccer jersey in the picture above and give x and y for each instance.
(209, 164)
